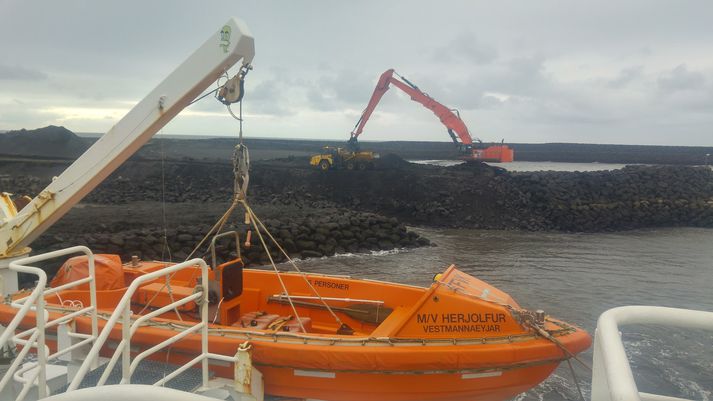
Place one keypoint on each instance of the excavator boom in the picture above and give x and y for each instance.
(450, 118)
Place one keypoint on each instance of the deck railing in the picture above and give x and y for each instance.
(612, 378)
(35, 373)
(123, 313)
(129, 392)
(32, 373)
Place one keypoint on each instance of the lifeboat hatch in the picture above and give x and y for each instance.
(225, 290)
(227, 287)
(230, 279)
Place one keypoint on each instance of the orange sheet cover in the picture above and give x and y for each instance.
(109, 274)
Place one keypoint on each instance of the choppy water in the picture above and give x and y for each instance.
(576, 277)
(533, 166)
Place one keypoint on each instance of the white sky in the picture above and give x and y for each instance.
(634, 72)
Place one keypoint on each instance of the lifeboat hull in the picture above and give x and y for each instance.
(404, 386)
(459, 339)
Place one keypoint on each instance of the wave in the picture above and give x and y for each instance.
(349, 255)
(371, 253)
(555, 388)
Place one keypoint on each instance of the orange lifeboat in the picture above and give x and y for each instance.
(459, 339)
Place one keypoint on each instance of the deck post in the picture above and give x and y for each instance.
(42, 350)
(204, 320)
(126, 352)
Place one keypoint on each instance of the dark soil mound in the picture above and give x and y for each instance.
(391, 161)
(47, 142)
(478, 167)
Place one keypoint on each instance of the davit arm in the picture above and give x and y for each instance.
(206, 65)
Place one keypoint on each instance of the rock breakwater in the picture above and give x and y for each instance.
(308, 236)
(469, 195)
(633, 197)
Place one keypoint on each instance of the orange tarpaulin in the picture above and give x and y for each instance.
(109, 274)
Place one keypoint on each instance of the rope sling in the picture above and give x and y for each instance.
(231, 92)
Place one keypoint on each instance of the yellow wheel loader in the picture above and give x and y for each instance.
(340, 158)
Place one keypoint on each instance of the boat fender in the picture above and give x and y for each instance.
(248, 236)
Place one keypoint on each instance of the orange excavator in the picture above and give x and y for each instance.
(457, 129)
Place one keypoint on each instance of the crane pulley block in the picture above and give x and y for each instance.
(232, 91)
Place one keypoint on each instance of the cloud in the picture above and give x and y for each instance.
(684, 95)
(320, 99)
(489, 87)
(17, 73)
(531, 73)
(465, 48)
(681, 79)
(525, 76)
(271, 97)
(626, 76)
(15, 115)
(343, 88)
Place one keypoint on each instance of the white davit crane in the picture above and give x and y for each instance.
(206, 65)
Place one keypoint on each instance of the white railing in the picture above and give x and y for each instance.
(128, 392)
(35, 373)
(123, 313)
(35, 337)
(612, 378)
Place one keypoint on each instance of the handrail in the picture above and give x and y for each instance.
(213, 262)
(36, 301)
(123, 312)
(18, 360)
(35, 374)
(25, 307)
(612, 378)
(129, 392)
(135, 326)
(163, 344)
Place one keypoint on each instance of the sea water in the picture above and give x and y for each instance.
(576, 277)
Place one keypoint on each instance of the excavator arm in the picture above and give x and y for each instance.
(206, 65)
(449, 117)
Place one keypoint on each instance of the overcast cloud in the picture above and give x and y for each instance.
(636, 72)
